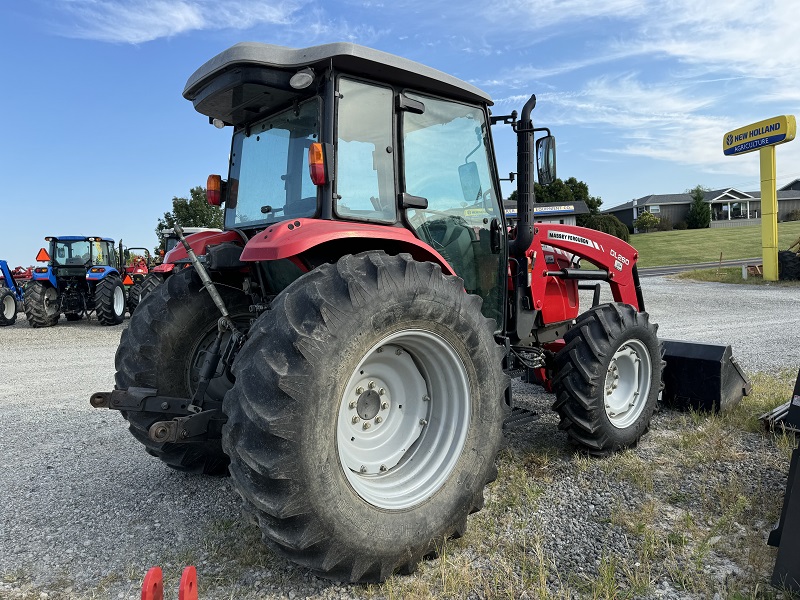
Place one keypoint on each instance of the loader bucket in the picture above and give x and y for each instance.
(702, 377)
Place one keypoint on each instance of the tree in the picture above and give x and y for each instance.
(191, 212)
(646, 221)
(699, 216)
(565, 192)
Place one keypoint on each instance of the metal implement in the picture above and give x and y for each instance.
(702, 376)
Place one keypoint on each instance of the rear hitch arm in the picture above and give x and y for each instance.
(189, 426)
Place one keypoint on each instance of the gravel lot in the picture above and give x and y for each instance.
(85, 512)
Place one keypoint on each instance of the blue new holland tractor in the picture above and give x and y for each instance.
(11, 295)
(82, 276)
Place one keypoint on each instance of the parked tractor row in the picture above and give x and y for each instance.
(366, 305)
(83, 276)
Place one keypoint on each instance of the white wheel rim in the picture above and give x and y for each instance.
(627, 385)
(403, 419)
(50, 301)
(9, 306)
(119, 301)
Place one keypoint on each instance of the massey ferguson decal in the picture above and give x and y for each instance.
(571, 237)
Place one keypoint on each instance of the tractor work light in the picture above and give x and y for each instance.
(302, 79)
(218, 123)
(42, 256)
(316, 164)
(214, 190)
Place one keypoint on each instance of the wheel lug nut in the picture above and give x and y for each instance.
(366, 425)
(381, 391)
(352, 404)
(355, 420)
(379, 350)
(363, 469)
(384, 406)
(399, 351)
(359, 390)
(378, 419)
(371, 385)
(383, 468)
(423, 422)
(426, 398)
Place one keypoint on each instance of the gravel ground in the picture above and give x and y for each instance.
(85, 512)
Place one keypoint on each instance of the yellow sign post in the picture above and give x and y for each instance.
(764, 136)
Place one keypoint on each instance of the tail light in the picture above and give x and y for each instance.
(214, 190)
(42, 256)
(316, 164)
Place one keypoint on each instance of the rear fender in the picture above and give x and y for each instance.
(316, 241)
(198, 243)
(95, 274)
(164, 268)
(45, 274)
(605, 251)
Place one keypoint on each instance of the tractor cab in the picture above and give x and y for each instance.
(399, 151)
(78, 251)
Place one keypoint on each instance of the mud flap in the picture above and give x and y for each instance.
(702, 377)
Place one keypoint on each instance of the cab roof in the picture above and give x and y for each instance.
(241, 64)
(77, 238)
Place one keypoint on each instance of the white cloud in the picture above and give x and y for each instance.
(139, 21)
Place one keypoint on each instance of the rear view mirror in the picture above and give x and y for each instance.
(470, 182)
(546, 159)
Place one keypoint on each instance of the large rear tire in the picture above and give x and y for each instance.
(41, 304)
(8, 307)
(366, 415)
(109, 300)
(163, 348)
(608, 377)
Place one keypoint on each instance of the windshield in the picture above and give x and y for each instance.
(269, 179)
(82, 252)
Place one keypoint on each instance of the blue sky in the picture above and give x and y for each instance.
(97, 139)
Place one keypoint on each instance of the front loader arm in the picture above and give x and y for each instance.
(615, 259)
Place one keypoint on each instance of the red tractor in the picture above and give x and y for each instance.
(365, 308)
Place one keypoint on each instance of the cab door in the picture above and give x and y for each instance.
(446, 168)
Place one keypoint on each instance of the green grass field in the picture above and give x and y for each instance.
(662, 248)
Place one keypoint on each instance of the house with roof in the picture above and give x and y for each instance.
(729, 207)
(564, 214)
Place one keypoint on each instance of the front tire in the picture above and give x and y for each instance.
(8, 307)
(366, 415)
(608, 377)
(109, 300)
(163, 348)
(41, 304)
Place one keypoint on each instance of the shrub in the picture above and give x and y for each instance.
(681, 225)
(664, 224)
(793, 215)
(608, 224)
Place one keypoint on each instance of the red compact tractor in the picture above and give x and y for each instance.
(365, 307)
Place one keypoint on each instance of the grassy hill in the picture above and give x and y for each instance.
(662, 248)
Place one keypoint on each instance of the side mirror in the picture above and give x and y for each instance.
(470, 182)
(546, 159)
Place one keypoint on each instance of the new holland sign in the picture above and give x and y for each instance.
(768, 132)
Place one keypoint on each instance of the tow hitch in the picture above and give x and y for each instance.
(194, 414)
